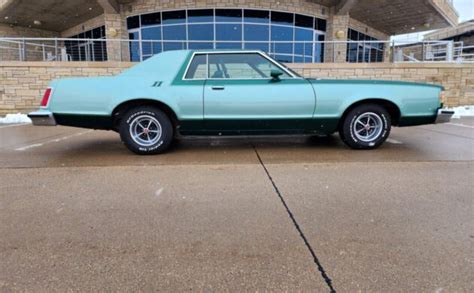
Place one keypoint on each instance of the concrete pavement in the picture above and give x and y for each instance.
(79, 212)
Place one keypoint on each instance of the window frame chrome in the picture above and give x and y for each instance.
(207, 53)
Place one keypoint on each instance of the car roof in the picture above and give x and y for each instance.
(223, 50)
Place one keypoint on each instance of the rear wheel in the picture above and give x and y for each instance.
(146, 130)
(365, 127)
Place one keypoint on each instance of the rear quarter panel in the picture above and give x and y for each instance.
(101, 95)
(333, 97)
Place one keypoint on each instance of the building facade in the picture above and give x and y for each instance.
(294, 31)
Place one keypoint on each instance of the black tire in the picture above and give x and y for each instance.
(366, 137)
(155, 139)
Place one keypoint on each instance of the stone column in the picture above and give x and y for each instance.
(115, 31)
(337, 27)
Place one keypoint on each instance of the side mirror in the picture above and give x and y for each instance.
(275, 74)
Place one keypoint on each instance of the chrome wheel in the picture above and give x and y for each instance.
(367, 127)
(145, 130)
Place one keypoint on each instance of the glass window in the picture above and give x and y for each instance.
(200, 45)
(84, 50)
(134, 47)
(320, 24)
(169, 46)
(303, 34)
(197, 68)
(282, 18)
(292, 37)
(304, 21)
(304, 42)
(228, 15)
(97, 33)
(257, 46)
(319, 48)
(228, 32)
(174, 32)
(256, 16)
(172, 17)
(149, 47)
(200, 15)
(353, 35)
(280, 34)
(133, 22)
(231, 45)
(363, 50)
(151, 19)
(255, 32)
(241, 66)
(151, 33)
(201, 32)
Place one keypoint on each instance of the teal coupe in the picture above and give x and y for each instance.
(245, 92)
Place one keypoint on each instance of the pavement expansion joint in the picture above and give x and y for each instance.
(316, 260)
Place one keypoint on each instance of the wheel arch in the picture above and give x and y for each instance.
(392, 108)
(120, 109)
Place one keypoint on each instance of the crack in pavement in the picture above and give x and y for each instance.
(316, 260)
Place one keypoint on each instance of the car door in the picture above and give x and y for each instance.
(241, 96)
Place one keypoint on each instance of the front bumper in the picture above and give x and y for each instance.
(444, 116)
(42, 118)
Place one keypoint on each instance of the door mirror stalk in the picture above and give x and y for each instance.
(275, 74)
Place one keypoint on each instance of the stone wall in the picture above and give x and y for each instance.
(22, 83)
(297, 6)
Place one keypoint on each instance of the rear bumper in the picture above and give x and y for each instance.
(443, 116)
(42, 118)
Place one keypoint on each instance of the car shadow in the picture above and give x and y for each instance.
(109, 151)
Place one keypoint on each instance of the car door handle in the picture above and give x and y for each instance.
(217, 88)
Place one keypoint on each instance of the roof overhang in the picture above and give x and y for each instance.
(55, 15)
(389, 16)
(395, 17)
(450, 32)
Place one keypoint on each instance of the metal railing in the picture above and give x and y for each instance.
(67, 49)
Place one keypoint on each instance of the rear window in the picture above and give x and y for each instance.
(197, 68)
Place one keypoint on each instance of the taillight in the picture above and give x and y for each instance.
(45, 100)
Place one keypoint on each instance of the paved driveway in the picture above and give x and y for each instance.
(80, 212)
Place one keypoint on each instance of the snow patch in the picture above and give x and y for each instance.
(462, 111)
(15, 118)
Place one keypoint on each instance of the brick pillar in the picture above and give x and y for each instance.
(115, 29)
(338, 52)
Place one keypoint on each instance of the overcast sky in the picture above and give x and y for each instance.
(465, 9)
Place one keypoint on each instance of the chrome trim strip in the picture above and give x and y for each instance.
(444, 116)
(42, 118)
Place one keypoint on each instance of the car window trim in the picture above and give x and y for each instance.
(207, 53)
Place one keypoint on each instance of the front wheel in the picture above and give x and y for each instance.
(146, 130)
(365, 127)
